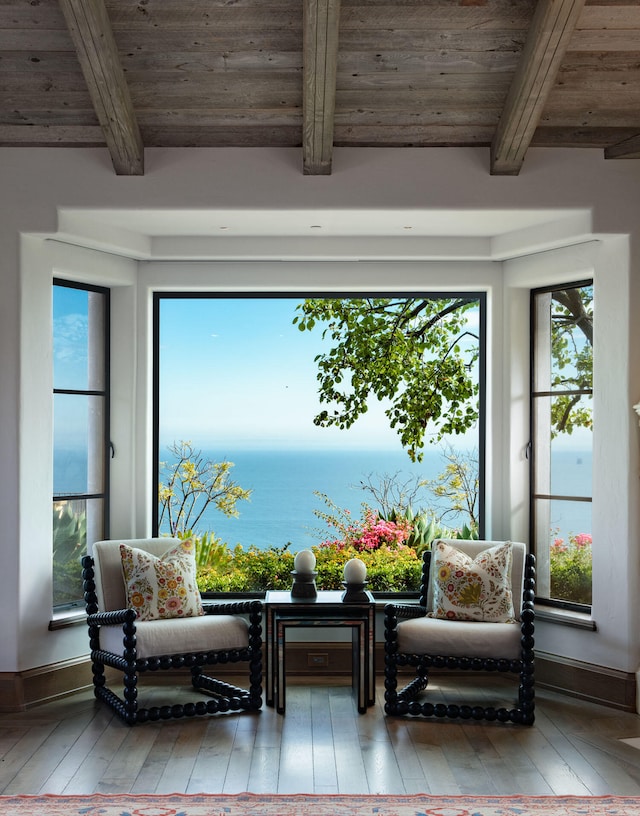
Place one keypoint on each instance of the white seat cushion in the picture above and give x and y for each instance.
(181, 635)
(459, 638)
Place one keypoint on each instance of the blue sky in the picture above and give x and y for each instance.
(70, 309)
(238, 372)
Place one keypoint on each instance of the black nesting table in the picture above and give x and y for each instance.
(326, 609)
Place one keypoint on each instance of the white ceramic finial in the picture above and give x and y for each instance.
(304, 562)
(355, 571)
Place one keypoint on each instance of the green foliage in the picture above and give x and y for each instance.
(265, 569)
(572, 357)
(393, 570)
(458, 485)
(69, 545)
(255, 570)
(424, 528)
(190, 484)
(210, 550)
(427, 529)
(417, 353)
(467, 533)
(571, 569)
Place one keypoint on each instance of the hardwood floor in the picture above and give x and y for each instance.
(321, 745)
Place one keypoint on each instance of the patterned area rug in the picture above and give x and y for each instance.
(249, 804)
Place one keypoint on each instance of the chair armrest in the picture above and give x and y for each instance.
(405, 611)
(231, 607)
(115, 618)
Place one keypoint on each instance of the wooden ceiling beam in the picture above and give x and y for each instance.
(628, 149)
(321, 22)
(92, 35)
(551, 29)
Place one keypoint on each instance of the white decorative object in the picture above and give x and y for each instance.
(355, 571)
(304, 562)
(636, 408)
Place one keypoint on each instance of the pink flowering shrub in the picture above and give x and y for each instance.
(570, 563)
(371, 533)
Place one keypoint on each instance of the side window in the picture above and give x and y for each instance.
(561, 447)
(80, 430)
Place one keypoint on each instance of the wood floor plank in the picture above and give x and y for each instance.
(239, 767)
(439, 776)
(557, 734)
(381, 766)
(199, 756)
(624, 777)
(517, 768)
(21, 752)
(43, 762)
(410, 767)
(464, 761)
(265, 763)
(69, 764)
(296, 756)
(350, 766)
(9, 736)
(183, 757)
(156, 761)
(325, 773)
(89, 774)
(126, 765)
(265, 767)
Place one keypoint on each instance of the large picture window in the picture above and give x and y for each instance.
(562, 431)
(288, 422)
(80, 430)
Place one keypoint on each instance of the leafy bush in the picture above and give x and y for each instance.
(425, 529)
(571, 569)
(69, 545)
(254, 570)
(211, 551)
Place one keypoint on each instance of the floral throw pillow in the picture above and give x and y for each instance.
(162, 587)
(473, 589)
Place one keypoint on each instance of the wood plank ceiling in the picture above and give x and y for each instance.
(314, 74)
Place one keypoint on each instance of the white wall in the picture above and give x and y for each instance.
(615, 496)
(36, 184)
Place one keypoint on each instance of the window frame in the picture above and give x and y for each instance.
(569, 606)
(481, 296)
(105, 394)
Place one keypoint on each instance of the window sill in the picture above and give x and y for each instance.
(66, 618)
(565, 617)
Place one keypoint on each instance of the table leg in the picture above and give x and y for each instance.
(359, 664)
(270, 656)
(280, 676)
(370, 648)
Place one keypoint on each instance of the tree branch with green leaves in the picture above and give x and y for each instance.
(418, 354)
(572, 357)
(190, 483)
